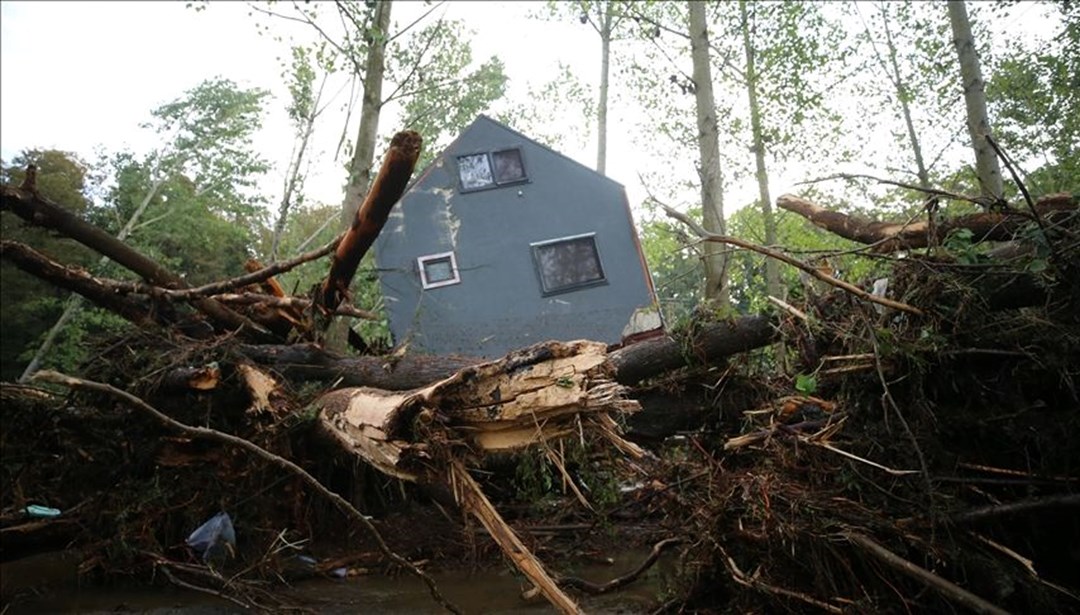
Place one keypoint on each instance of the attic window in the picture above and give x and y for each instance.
(568, 263)
(438, 270)
(488, 170)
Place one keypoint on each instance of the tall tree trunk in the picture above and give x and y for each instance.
(75, 302)
(903, 95)
(602, 109)
(295, 176)
(978, 120)
(772, 269)
(366, 136)
(712, 179)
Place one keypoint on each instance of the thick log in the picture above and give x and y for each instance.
(32, 207)
(385, 191)
(894, 236)
(632, 363)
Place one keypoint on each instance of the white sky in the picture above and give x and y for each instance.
(79, 75)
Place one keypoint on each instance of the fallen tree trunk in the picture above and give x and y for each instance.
(894, 236)
(631, 364)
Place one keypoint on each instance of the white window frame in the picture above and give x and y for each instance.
(423, 260)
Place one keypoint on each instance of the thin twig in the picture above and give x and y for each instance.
(213, 434)
(932, 191)
(1069, 500)
(596, 589)
(1027, 196)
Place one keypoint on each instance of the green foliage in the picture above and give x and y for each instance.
(676, 268)
(29, 306)
(1035, 106)
(806, 384)
(554, 112)
(442, 95)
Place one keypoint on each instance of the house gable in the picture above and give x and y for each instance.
(502, 242)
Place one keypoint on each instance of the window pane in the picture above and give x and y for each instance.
(508, 166)
(475, 171)
(567, 264)
(438, 270)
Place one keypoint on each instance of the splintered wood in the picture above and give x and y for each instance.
(531, 397)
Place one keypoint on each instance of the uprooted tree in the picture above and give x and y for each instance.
(840, 526)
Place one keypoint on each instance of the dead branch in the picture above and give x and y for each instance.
(596, 589)
(943, 586)
(385, 191)
(1070, 500)
(36, 210)
(893, 236)
(780, 256)
(228, 439)
(291, 302)
(76, 280)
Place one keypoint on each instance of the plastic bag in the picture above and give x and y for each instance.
(214, 539)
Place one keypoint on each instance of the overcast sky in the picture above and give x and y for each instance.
(78, 75)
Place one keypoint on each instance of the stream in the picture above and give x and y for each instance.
(47, 583)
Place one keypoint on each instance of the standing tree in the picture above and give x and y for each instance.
(978, 120)
(712, 178)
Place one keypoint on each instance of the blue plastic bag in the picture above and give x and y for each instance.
(215, 539)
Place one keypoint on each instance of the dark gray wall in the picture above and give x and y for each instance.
(499, 305)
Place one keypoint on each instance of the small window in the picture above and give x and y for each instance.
(479, 171)
(438, 270)
(475, 172)
(508, 166)
(568, 263)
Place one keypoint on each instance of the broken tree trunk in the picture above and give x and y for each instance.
(388, 187)
(531, 397)
(894, 236)
(631, 364)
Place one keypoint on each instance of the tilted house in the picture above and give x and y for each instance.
(502, 242)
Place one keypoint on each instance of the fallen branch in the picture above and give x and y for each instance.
(291, 302)
(889, 237)
(784, 258)
(75, 280)
(1070, 500)
(596, 589)
(218, 436)
(943, 586)
(30, 206)
(385, 191)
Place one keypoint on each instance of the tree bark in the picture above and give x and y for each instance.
(712, 179)
(978, 120)
(606, 18)
(894, 236)
(394, 175)
(772, 269)
(366, 136)
(632, 363)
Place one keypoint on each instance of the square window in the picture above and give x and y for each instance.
(475, 172)
(508, 166)
(438, 270)
(567, 264)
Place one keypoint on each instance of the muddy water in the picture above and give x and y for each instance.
(46, 584)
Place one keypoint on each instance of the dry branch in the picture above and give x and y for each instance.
(385, 191)
(943, 586)
(893, 236)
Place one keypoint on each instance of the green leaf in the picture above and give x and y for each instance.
(806, 384)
